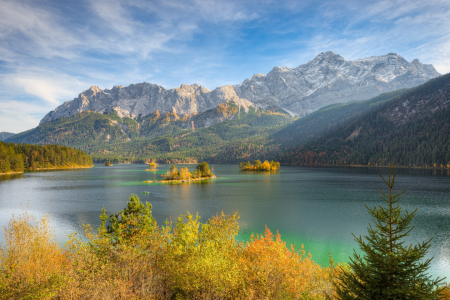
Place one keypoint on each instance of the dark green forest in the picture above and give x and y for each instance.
(20, 157)
(411, 130)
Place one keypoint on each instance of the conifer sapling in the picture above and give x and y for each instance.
(389, 268)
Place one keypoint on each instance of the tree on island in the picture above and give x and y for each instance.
(203, 168)
(202, 171)
(153, 164)
(258, 166)
(388, 270)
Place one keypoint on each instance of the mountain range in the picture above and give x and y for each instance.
(259, 119)
(325, 80)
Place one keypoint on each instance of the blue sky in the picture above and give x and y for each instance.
(50, 51)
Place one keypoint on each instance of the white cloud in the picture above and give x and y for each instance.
(41, 88)
(18, 116)
(412, 29)
(54, 88)
(49, 52)
(29, 30)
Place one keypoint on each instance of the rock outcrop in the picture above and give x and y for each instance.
(326, 79)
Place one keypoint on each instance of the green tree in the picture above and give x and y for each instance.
(389, 269)
(257, 163)
(131, 226)
(204, 169)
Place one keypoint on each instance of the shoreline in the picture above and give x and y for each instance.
(54, 168)
(12, 173)
(313, 165)
(259, 170)
(61, 168)
(367, 166)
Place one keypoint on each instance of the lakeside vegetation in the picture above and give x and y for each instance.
(130, 256)
(18, 158)
(258, 166)
(135, 258)
(201, 172)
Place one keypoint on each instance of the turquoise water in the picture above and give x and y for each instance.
(317, 207)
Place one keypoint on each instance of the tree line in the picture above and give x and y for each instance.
(20, 157)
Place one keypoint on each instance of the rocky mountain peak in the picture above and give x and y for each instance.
(92, 91)
(259, 76)
(416, 62)
(329, 55)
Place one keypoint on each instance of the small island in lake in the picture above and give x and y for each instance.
(201, 172)
(152, 166)
(258, 166)
(108, 163)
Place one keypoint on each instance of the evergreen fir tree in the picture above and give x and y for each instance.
(389, 269)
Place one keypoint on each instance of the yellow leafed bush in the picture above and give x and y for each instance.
(134, 258)
(32, 265)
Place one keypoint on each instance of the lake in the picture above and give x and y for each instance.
(318, 207)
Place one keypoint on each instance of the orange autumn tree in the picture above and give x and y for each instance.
(273, 271)
(258, 166)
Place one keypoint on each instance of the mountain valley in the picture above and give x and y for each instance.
(285, 115)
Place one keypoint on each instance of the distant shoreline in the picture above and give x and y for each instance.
(313, 165)
(367, 166)
(55, 168)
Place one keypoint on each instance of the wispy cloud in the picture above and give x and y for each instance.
(52, 50)
(17, 116)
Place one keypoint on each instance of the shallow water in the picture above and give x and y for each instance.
(317, 207)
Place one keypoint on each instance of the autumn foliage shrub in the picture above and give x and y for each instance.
(32, 265)
(133, 257)
(272, 271)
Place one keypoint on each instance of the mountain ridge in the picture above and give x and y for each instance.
(410, 129)
(6, 135)
(324, 80)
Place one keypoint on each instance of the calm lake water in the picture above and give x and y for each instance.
(317, 207)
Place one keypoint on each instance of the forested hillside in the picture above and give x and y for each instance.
(230, 141)
(20, 157)
(328, 119)
(89, 129)
(410, 130)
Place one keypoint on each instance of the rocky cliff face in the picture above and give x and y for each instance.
(326, 79)
(329, 79)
